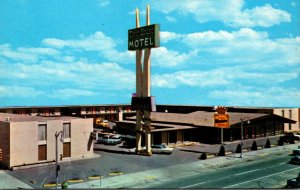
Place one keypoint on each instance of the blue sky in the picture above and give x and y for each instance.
(213, 52)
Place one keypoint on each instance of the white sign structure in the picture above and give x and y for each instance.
(139, 39)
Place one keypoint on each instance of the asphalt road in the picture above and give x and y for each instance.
(269, 172)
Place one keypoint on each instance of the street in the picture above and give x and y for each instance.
(266, 172)
(265, 168)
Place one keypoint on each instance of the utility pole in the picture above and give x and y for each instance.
(57, 168)
(242, 133)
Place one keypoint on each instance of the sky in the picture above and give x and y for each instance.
(212, 52)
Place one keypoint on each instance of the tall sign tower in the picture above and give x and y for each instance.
(142, 39)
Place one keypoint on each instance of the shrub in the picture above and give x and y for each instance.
(268, 144)
(203, 156)
(254, 146)
(280, 141)
(222, 151)
(238, 148)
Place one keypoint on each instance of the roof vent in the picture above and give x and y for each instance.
(7, 119)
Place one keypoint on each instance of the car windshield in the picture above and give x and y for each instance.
(115, 137)
(159, 146)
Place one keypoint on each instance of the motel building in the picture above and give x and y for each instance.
(27, 134)
(30, 140)
(198, 126)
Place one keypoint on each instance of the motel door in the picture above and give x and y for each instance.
(42, 152)
(67, 150)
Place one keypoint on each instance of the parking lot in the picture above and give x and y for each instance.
(106, 164)
(111, 160)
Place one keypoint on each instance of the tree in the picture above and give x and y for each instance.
(268, 144)
(254, 146)
(238, 148)
(203, 156)
(280, 141)
(222, 151)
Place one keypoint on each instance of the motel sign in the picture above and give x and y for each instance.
(144, 37)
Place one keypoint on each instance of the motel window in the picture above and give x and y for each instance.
(290, 114)
(42, 132)
(290, 126)
(282, 113)
(67, 130)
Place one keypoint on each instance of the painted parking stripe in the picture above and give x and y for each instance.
(193, 185)
(247, 172)
(260, 178)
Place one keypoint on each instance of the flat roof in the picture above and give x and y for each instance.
(8, 117)
(62, 106)
(205, 119)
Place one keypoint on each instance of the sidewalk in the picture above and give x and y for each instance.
(141, 179)
(9, 182)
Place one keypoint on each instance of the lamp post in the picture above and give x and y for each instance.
(242, 133)
(61, 133)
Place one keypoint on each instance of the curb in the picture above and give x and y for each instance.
(115, 173)
(75, 180)
(95, 177)
(51, 185)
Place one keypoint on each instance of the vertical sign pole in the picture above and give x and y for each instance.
(222, 136)
(139, 80)
(146, 89)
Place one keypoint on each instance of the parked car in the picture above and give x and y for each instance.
(296, 152)
(114, 139)
(103, 139)
(293, 183)
(161, 149)
(295, 160)
(288, 137)
(297, 136)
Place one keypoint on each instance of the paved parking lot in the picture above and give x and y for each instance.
(107, 163)
(113, 160)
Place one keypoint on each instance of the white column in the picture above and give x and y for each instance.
(139, 92)
(146, 90)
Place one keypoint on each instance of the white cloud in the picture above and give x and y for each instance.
(94, 42)
(231, 13)
(191, 78)
(264, 16)
(26, 54)
(221, 77)
(141, 13)
(166, 36)
(171, 19)
(239, 47)
(69, 93)
(103, 3)
(18, 91)
(288, 97)
(163, 57)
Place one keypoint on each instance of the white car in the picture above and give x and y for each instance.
(297, 135)
(156, 149)
(161, 149)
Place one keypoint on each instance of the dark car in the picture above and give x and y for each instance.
(295, 160)
(289, 138)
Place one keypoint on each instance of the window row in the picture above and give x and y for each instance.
(42, 131)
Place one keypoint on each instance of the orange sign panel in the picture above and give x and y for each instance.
(221, 120)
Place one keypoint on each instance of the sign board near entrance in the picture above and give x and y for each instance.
(221, 120)
(143, 103)
(144, 37)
